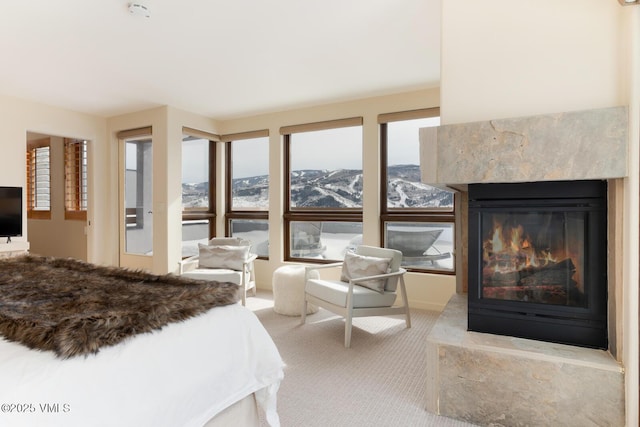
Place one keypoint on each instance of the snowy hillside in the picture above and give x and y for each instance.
(323, 188)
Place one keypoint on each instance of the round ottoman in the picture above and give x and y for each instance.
(288, 290)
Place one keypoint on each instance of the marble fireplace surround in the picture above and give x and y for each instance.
(495, 380)
(589, 144)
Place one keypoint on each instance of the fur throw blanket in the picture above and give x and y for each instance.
(75, 308)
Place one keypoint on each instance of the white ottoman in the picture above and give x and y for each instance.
(288, 290)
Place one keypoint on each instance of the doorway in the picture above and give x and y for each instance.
(136, 199)
(56, 195)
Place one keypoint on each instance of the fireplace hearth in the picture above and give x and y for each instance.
(538, 261)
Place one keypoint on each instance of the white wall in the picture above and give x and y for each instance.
(505, 58)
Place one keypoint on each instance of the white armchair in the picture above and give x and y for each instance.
(223, 259)
(369, 283)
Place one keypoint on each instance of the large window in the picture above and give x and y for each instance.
(39, 179)
(416, 218)
(198, 184)
(323, 187)
(75, 179)
(247, 210)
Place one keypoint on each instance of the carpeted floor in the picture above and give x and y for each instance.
(379, 381)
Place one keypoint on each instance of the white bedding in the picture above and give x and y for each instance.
(180, 376)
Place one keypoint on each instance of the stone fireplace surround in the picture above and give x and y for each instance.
(498, 380)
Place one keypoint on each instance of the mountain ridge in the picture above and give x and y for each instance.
(330, 189)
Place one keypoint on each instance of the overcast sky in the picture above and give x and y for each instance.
(310, 150)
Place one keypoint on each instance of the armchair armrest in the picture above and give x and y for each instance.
(247, 268)
(251, 258)
(385, 277)
(320, 266)
(400, 272)
(308, 268)
(187, 263)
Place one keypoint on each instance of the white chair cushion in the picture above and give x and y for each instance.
(218, 275)
(335, 292)
(226, 256)
(356, 266)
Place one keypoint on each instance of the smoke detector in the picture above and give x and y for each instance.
(139, 8)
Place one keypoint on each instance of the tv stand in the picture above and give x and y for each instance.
(13, 248)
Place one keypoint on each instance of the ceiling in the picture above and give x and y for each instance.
(220, 59)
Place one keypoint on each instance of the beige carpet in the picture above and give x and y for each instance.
(379, 381)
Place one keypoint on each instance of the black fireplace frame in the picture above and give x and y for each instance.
(581, 326)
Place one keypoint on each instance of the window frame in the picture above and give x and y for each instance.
(32, 211)
(412, 215)
(207, 213)
(75, 179)
(240, 214)
(311, 214)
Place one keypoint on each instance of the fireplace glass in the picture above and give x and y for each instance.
(534, 257)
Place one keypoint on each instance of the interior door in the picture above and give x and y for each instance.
(136, 200)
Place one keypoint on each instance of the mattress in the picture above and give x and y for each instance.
(182, 375)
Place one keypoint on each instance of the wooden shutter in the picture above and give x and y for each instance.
(75, 179)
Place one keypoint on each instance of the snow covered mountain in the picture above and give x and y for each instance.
(324, 188)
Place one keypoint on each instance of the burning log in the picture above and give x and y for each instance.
(559, 273)
(553, 273)
(542, 294)
(493, 278)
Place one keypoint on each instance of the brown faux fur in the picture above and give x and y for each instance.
(75, 308)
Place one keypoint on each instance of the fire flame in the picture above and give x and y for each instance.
(512, 250)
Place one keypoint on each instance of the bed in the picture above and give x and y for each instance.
(217, 367)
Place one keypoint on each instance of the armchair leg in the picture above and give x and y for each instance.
(303, 315)
(347, 332)
(405, 302)
(348, 326)
(244, 295)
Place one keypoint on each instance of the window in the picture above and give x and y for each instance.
(416, 218)
(39, 179)
(323, 187)
(198, 189)
(247, 209)
(75, 179)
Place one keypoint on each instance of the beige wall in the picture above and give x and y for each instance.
(502, 59)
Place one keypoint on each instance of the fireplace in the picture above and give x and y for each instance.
(538, 261)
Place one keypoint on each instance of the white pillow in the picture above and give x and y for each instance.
(224, 256)
(356, 266)
(224, 241)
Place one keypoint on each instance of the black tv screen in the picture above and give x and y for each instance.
(10, 211)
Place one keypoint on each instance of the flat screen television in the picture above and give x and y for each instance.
(10, 211)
